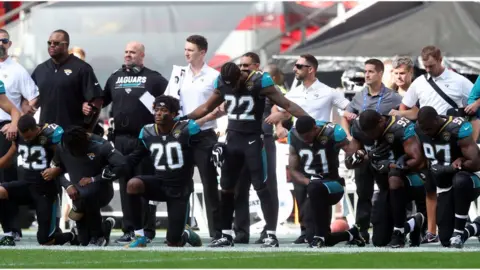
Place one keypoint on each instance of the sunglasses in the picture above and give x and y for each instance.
(244, 65)
(55, 43)
(300, 66)
(4, 40)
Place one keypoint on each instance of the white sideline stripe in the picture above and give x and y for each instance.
(248, 249)
(140, 260)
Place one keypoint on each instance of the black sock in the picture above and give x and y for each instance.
(227, 207)
(335, 238)
(397, 204)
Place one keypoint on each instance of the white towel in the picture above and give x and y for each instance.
(176, 81)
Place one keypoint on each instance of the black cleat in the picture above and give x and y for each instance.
(108, 225)
(7, 241)
(317, 242)
(126, 238)
(357, 237)
(398, 240)
(270, 241)
(415, 235)
(225, 241)
(302, 239)
(74, 241)
(430, 238)
(262, 238)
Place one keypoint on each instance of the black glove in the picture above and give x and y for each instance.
(379, 152)
(441, 169)
(108, 174)
(218, 154)
(356, 158)
(382, 166)
(401, 163)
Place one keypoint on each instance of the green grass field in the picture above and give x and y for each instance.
(180, 258)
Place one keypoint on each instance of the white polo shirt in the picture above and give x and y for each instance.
(453, 84)
(194, 90)
(18, 84)
(317, 100)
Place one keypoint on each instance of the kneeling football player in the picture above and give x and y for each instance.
(35, 147)
(167, 142)
(397, 159)
(313, 161)
(92, 164)
(454, 159)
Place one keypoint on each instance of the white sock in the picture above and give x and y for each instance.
(9, 234)
(399, 229)
(228, 232)
(458, 231)
(475, 229)
(271, 232)
(187, 232)
(139, 232)
(350, 236)
(411, 223)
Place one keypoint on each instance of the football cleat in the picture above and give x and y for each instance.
(224, 241)
(398, 240)
(7, 241)
(126, 238)
(138, 241)
(415, 235)
(270, 241)
(193, 238)
(317, 242)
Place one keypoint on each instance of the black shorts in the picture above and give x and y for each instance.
(244, 150)
(45, 201)
(177, 198)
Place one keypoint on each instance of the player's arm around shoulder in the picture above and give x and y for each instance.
(277, 98)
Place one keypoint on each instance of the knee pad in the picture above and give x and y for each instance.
(74, 215)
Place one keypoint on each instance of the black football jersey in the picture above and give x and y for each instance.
(245, 106)
(443, 147)
(321, 157)
(171, 154)
(398, 130)
(36, 155)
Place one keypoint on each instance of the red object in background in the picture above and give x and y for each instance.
(339, 225)
(217, 60)
(5, 7)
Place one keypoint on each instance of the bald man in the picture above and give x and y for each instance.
(131, 89)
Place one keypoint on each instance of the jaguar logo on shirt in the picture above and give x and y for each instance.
(446, 136)
(389, 137)
(67, 72)
(91, 156)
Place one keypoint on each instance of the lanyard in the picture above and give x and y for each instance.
(364, 107)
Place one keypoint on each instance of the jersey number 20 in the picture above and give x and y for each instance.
(234, 103)
(33, 158)
(158, 150)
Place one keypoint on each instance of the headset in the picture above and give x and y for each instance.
(133, 68)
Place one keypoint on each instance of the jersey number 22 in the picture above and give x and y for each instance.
(233, 105)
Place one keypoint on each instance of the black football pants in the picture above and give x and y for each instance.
(126, 144)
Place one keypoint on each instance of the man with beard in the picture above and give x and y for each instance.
(19, 86)
(244, 94)
(65, 82)
(318, 100)
(131, 90)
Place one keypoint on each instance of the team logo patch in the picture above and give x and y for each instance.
(389, 137)
(67, 71)
(446, 136)
(176, 133)
(42, 140)
(91, 156)
(128, 90)
(323, 140)
(249, 86)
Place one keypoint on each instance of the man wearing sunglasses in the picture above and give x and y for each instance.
(65, 82)
(318, 100)
(23, 93)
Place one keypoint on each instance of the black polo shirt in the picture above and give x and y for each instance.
(131, 94)
(63, 90)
